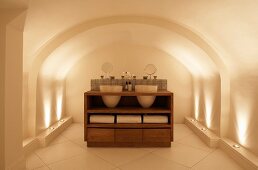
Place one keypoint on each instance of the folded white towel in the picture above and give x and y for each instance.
(129, 119)
(102, 119)
(155, 119)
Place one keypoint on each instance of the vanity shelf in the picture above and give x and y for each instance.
(128, 134)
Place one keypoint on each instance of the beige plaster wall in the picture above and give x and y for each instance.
(11, 24)
(244, 109)
(132, 58)
(49, 91)
(207, 101)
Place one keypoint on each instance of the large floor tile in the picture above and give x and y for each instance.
(59, 152)
(59, 139)
(118, 156)
(73, 133)
(75, 126)
(33, 161)
(80, 142)
(182, 154)
(217, 160)
(180, 131)
(195, 141)
(152, 162)
(82, 162)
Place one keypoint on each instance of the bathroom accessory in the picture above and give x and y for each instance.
(111, 101)
(126, 86)
(107, 68)
(129, 119)
(130, 86)
(150, 69)
(146, 101)
(155, 119)
(102, 119)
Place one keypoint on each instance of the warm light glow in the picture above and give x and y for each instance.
(236, 146)
(196, 106)
(59, 103)
(242, 109)
(47, 112)
(208, 112)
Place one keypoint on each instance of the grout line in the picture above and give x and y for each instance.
(204, 158)
(195, 147)
(170, 160)
(41, 161)
(135, 159)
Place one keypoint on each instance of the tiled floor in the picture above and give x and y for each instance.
(69, 152)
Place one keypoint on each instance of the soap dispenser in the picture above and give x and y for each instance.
(126, 86)
(130, 87)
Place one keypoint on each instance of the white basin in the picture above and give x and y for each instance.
(111, 101)
(146, 101)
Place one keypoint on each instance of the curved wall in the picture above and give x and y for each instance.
(133, 58)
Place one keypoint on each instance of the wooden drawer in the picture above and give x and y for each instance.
(100, 135)
(156, 135)
(128, 135)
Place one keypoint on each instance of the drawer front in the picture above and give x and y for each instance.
(156, 135)
(128, 135)
(100, 135)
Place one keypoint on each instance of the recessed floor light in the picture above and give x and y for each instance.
(203, 129)
(62, 120)
(236, 146)
(51, 128)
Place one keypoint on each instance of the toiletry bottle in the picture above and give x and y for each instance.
(126, 86)
(130, 87)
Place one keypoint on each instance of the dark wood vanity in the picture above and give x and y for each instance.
(128, 134)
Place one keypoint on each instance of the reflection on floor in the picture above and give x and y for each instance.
(69, 152)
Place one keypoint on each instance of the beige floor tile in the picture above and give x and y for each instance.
(195, 141)
(118, 156)
(217, 160)
(33, 161)
(80, 142)
(180, 131)
(85, 161)
(59, 139)
(152, 162)
(59, 152)
(75, 126)
(74, 133)
(182, 154)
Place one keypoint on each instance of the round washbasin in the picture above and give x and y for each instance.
(111, 101)
(146, 101)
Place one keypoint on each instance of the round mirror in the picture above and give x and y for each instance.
(107, 67)
(150, 69)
